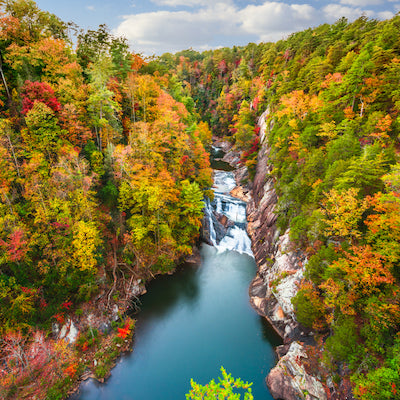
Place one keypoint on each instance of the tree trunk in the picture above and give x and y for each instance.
(3, 78)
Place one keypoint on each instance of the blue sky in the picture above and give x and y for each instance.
(158, 26)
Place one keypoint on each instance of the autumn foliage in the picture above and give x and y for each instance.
(38, 91)
(331, 119)
(124, 331)
(103, 171)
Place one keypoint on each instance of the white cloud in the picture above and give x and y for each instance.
(90, 8)
(335, 11)
(272, 20)
(187, 3)
(223, 23)
(362, 3)
(385, 15)
(173, 31)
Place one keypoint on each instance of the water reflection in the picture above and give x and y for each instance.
(216, 160)
(219, 164)
(268, 333)
(193, 322)
(174, 291)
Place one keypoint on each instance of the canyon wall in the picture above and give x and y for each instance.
(280, 270)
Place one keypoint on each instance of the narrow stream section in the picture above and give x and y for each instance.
(197, 320)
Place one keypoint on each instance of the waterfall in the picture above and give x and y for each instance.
(209, 213)
(218, 207)
(237, 240)
(226, 217)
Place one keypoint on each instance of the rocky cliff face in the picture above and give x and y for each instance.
(289, 379)
(280, 265)
(280, 271)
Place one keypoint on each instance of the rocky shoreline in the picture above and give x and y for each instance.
(93, 316)
(280, 270)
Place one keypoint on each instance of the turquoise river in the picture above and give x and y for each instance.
(195, 321)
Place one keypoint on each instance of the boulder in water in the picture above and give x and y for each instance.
(224, 221)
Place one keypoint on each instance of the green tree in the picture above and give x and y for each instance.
(228, 388)
(101, 103)
(43, 132)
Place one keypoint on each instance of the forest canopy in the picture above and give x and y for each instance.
(331, 100)
(103, 169)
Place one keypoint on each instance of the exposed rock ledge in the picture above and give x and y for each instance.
(280, 271)
(275, 285)
(289, 380)
(94, 316)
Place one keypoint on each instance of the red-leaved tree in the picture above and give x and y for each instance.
(38, 91)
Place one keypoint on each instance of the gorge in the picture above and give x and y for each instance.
(198, 319)
(104, 168)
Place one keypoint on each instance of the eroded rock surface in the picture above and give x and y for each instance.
(289, 380)
(69, 332)
(275, 285)
(260, 210)
(280, 271)
(280, 265)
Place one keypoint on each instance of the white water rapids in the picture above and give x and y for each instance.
(236, 238)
